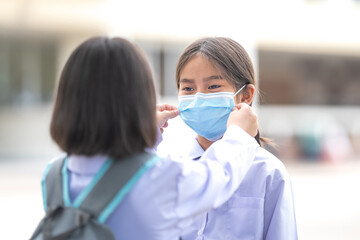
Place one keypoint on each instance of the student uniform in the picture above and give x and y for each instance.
(261, 208)
(169, 198)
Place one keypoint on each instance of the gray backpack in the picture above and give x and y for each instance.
(84, 218)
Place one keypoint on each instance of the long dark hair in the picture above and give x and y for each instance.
(105, 101)
(228, 57)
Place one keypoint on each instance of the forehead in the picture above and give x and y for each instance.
(198, 66)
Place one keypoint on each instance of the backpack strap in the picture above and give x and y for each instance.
(112, 187)
(52, 185)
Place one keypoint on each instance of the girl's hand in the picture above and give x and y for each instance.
(244, 117)
(164, 112)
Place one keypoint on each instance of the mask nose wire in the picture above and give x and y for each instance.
(239, 90)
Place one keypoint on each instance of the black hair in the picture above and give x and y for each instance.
(106, 102)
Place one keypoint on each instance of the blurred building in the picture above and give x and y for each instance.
(306, 53)
(309, 77)
(35, 38)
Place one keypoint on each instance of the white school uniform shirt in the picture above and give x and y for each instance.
(261, 208)
(169, 198)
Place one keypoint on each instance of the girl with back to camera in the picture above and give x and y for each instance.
(212, 75)
(105, 112)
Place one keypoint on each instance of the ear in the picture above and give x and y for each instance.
(247, 95)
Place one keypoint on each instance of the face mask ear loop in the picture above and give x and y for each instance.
(239, 90)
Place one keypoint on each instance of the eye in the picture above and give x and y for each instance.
(187, 89)
(214, 86)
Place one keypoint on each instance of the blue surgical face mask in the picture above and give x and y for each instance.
(207, 113)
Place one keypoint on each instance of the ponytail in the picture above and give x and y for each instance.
(262, 141)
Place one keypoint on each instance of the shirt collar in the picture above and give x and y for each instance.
(86, 165)
(196, 151)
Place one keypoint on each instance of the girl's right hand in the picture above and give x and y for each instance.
(244, 117)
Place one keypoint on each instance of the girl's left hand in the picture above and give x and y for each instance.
(164, 112)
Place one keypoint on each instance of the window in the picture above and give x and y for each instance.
(27, 70)
(308, 78)
(163, 57)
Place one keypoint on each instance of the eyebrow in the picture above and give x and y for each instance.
(214, 77)
(186, 80)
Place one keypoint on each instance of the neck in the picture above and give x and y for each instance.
(204, 143)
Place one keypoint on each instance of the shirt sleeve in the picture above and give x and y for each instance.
(159, 139)
(210, 181)
(279, 212)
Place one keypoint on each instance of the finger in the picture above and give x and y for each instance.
(171, 114)
(168, 107)
(166, 124)
(159, 107)
(165, 107)
(238, 106)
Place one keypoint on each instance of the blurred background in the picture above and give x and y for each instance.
(307, 59)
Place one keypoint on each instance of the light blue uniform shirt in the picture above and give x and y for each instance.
(261, 208)
(169, 198)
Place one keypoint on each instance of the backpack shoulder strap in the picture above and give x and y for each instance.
(112, 187)
(52, 184)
